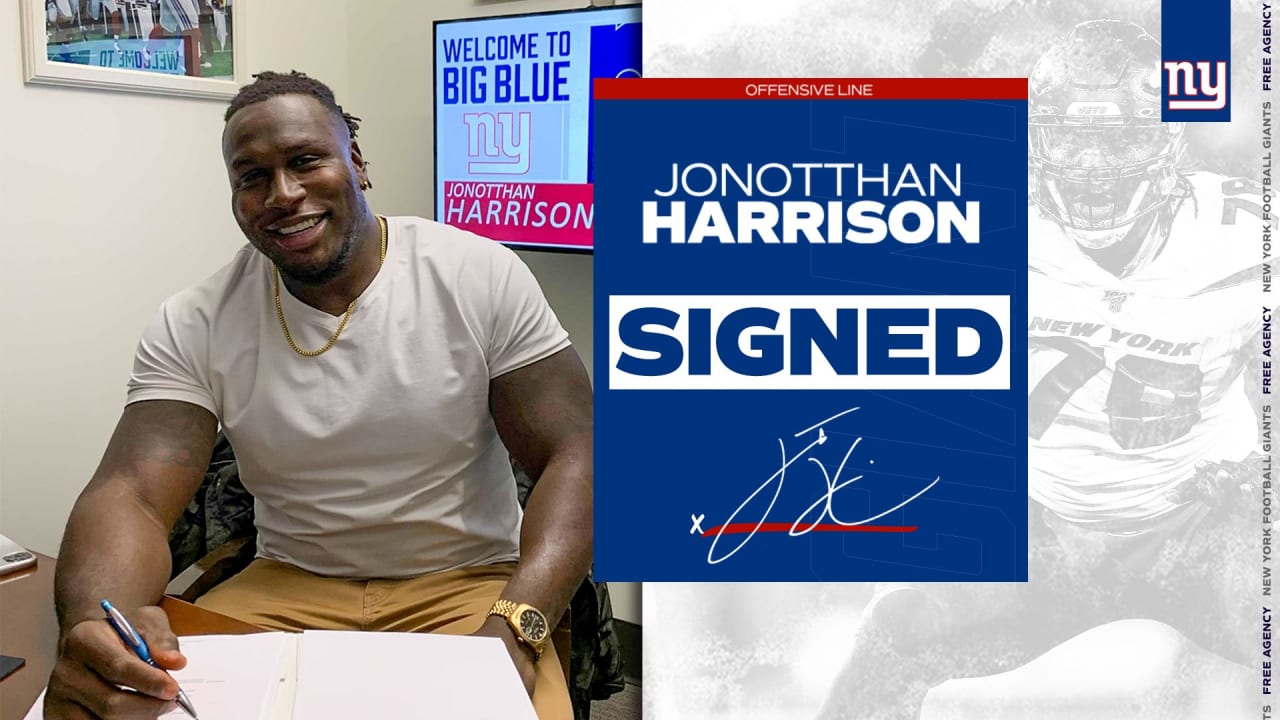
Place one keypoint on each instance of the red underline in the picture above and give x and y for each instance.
(739, 528)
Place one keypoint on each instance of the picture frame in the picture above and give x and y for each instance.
(139, 46)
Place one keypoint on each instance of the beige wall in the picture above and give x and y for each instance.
(99, 231)
(112, 202)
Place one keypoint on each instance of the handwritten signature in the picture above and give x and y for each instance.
(822, 506)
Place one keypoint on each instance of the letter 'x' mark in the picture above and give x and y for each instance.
(697, 523)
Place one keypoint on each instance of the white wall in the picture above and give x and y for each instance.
(111, 202)
(392, 39)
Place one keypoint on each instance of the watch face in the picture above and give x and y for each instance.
(533, 625)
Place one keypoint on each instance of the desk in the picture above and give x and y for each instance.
(29, 629)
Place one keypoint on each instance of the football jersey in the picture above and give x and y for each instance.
(1135, 379)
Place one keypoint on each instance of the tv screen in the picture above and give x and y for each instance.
(513, 121)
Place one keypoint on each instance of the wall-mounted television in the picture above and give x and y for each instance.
(513, 120)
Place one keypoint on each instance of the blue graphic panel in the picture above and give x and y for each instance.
(804, 382)
(615, 53)
(1195, 49)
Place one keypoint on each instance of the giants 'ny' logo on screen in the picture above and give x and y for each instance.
(1195, 57)
(1196, 86)
(501, 140)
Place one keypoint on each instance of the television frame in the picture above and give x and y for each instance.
(435, 135)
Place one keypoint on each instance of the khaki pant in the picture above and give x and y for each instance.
(278, 596)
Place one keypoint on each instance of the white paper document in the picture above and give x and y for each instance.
(407, 675)
(322, 675)
(227, 676)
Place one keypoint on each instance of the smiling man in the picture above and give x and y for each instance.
(372, 374)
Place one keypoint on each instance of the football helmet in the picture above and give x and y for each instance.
(1100, 157)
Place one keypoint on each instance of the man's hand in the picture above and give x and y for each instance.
(1227, 487)
(93, 663)
(521, 654)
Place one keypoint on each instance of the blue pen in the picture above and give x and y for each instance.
(139, 646)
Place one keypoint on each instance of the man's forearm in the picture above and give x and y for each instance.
(114, 548)
(543, 415)
(556, 537)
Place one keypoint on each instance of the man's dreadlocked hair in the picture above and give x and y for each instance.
(267, 85)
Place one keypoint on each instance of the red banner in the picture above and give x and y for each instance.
(552, 214)
(811, 89)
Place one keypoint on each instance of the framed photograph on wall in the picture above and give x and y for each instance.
(168, 47)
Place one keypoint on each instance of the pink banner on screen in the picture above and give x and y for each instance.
(558, 214)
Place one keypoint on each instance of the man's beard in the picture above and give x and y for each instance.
(319, 275)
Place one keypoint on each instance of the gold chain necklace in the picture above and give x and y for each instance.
(275, 287)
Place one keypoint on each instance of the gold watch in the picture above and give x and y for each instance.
(528, 622)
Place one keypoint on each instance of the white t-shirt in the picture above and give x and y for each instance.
(379, 457)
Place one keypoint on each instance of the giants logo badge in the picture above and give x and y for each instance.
(1195, 60)
(1207, 82)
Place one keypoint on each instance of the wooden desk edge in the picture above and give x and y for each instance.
(188, 619)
